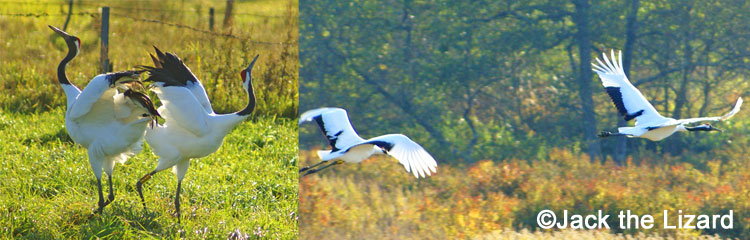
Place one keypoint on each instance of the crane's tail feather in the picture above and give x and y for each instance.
(324, 154)
(132, 150)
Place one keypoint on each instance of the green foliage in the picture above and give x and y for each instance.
(30, 52)
(473, 79)
(248, 187)
(499, 81)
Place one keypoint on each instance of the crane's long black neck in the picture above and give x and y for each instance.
(250, 101)
(64, 63)
(247, 73)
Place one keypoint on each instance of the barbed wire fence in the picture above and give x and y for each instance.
(97, 4)
(104, 14)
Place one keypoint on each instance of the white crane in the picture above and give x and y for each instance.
(630, 103)
(347, 146)
(107, 117)
(191, 128)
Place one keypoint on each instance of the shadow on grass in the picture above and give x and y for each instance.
(61, 135)
(123, 222)
(117, 222)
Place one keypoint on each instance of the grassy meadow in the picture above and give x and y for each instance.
(500, 200)
(247, 189)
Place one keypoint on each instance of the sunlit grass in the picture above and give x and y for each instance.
(48, 189)
(247, 189)
(30, 51)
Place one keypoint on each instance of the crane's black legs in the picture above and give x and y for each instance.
(145, 178)
(309, 167)
(111, 196)
(139, 186)
(610, 134)
(101, 196)
(177, 201)
(311, 171)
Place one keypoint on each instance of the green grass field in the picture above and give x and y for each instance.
(247, 189)
(48, 190)
(30, 51)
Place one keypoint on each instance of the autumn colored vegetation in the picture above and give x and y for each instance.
(502, 94)
(378, 199)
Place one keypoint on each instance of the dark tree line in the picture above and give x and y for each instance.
(478, 80)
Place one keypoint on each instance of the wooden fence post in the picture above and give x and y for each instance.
(211, 19)
(228, 13)
(104, 59)
(70, 12)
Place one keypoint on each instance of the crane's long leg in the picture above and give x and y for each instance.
(139, 186)
(177, 201)
(311, 171)
(111, 196)
(309, 167)
(101, 195)
(180, 169)
(603, 134)
(95, 160)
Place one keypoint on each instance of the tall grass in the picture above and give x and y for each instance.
(30, 52)
(583, 235)
(247, 189)
(378, 199)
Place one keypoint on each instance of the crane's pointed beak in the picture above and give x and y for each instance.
(61, 32)
(250, 67)
(716, 129)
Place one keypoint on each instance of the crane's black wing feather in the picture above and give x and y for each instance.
(169, 69)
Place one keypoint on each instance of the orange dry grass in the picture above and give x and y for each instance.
(378, 199)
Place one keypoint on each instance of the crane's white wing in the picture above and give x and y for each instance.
(627, 99)
(731, 113)
(170, 70)
(92, 93)
(182, 109)
(335, 125)
(200, 94)
(123, 109)
(414, 158)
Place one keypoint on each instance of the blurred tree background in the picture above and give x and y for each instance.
(477, 80)
(503, 95)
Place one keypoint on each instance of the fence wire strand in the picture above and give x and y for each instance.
(98, 5)
(38, 15)
(96, 14)
(227, 35)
